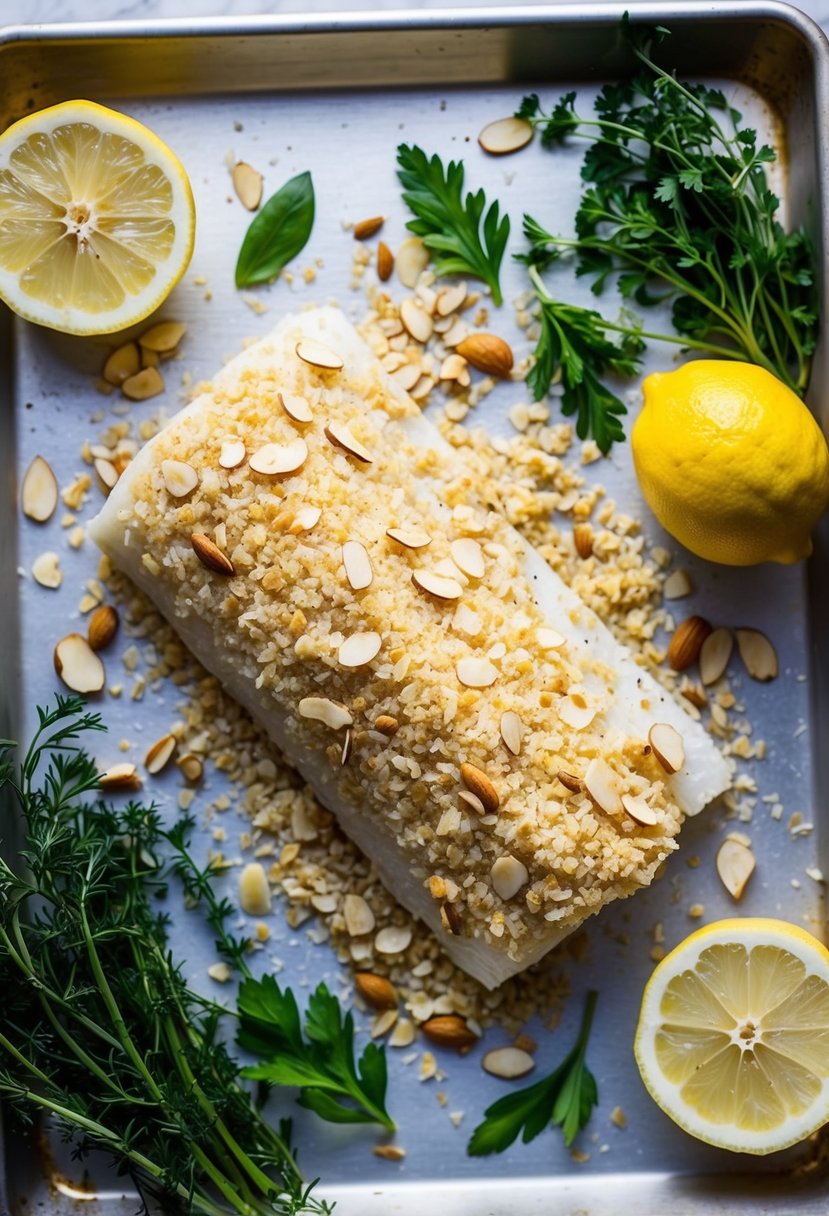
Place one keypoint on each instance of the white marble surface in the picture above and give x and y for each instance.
(35, 11)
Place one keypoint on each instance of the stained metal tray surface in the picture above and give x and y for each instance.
(335, 95)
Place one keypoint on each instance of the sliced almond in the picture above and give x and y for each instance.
(385, 262)
(46, 570)
(438, 585)
(378, 991)
(416, 319)
(570, 781)
(78, 665)
(317, 354)
(247, 183)
(508, 1062)
(412, 259)
(393, 940)
(639, 810)
(403, 1034)
(363, 229)
(179, 477)
(505, 135)
(122, 776)
(735, 866)
(322, 709)
(357, 565)
(450, 299)
(472, 801)
(358, 916)
(714, 655)
(476, 673)
(602, 784)
(455, 367)
(576, 711)
(347, 748)
(359, 649)
(407, 376)
(512, 730)
(232, 454)
(277, 459)
(254, 890)
(102, 627)
(386, 724)
(339, 433)
(305, 519)
(39, 495)
(677, 585)
(694, 694)
(488, 353)
(123, 362)
(409, 538)
(468, 556)
(757, 653)
(477, 782)
(449, 1030)
(296, 407)
(686, 642)
(144, 384)
(549, 639)
(160, 754)
(508, 876)
(106, 473)
(210, 555)
(583, 540)
(667, 746)
(164, 337)
(191, 768)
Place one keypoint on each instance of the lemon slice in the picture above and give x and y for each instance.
(96, 219)
(733, 1035)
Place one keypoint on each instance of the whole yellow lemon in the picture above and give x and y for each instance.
(731, 462)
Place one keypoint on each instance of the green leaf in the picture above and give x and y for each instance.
(278, 232)
(461, 233)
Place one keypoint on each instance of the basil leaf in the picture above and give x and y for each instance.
(278, 233)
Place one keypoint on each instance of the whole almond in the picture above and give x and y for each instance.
(363, 229)
(102, 627)
(488, 353)
(385, 262)
(449, 1030)
(686, 642)
(386, 724)
(480, 785)
(210, 555)
(583, 540)
(379, 992)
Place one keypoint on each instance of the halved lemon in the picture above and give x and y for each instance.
(96, 219)
(733, 1035)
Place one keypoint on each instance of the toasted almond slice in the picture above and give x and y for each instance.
(639, 810)
(477, 782)
(39, 495)
(412, 259)
(254, 890)
(667, 746)
(322, 709)
(438, 585)
(409, 538)
(363, 229)
(735, 866)
(602, 784)
(160, 754)
(163, 337)
(476, 673)
(385, 262)
(512, 730)
(416, 319)
(179, 477)
(210, 555)
(570, 781)
(317, 354)
(487, 352)
(677, 585)
(575, 710)
(450, 299)
(508, 876)
(78, 665)
(106, 473)
(46, 570)
(359, 918)
(549, 639)
(359, 649)
(102, 627)
(757, 653)
(339, 433)
(296, 407)
(123, 362)
(232, 454)
(505, 135)
(191, 768)
(144, 384)
(122, 776)
(305, 519)
(508, 1062)
(277, 459)
(473, 801)
(357, 565)
(714, 655)
(247, 183)
(468, 556)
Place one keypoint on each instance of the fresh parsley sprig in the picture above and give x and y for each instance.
(565, 1099)
(461, 233)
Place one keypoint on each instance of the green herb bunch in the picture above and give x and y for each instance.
(678, 210)
(100, 1030)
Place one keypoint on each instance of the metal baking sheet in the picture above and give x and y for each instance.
(335, 95)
